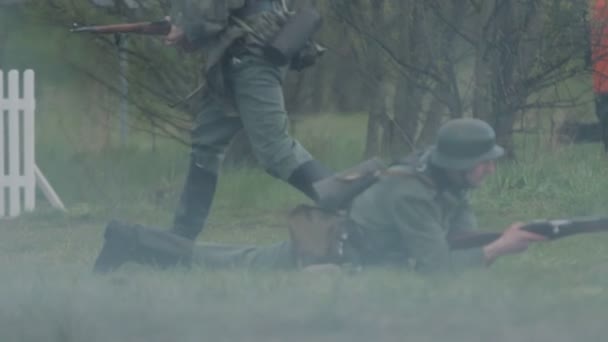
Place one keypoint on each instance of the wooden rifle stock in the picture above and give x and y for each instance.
(551, 229)
(161, 28)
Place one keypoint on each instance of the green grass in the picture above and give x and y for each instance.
(554, 292)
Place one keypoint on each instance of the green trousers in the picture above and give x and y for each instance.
(125, 242)
(278, 256)
(159, 247)
(253, 87)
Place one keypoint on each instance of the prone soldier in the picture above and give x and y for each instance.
(405, 217)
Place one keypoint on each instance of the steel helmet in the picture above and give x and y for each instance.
(463, 143)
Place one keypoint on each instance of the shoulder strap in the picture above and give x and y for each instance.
(337, 191)
(413, 165)
(409, 171)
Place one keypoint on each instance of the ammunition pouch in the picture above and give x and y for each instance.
(283, 38)
(294, 36)
(261, 27)
(307, 57)
(319, 236)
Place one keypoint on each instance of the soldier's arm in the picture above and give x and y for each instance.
(200, 19)
(464, 220)
(424, 237)
(513, 240)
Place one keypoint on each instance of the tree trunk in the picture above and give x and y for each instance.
(408, 115)
(376, 121)
(494, 100)
(505, 101)
(376, 124)
(3, 43)
(482, 74)
(319, 87)
(96, 123)
(408, 98)
(390, 129)
(433, 120)
(504, 133)
(5, 24)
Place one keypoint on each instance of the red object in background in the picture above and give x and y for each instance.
(599, 46)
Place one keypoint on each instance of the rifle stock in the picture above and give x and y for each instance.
(551, 229)
(160, 27)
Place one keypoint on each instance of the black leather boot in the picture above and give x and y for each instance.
(118, 247)
(124, 242)
(306, 175)
(195, 202)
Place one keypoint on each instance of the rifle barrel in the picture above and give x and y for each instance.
(161, 27)
(555, 229)
(551, 229)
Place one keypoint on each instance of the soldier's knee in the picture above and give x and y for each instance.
(281, 163)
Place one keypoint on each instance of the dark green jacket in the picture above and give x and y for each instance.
(203, 19)
(211, 25)
(407, 215)
(205, 23)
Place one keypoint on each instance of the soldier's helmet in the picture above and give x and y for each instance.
(463, 143)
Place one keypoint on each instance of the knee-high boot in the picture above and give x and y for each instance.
(306, 175)
(124, 242)
(195, 202)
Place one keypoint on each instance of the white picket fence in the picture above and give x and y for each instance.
(17, 166)
(19, 174)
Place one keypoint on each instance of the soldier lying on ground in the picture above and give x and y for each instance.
(403, 218)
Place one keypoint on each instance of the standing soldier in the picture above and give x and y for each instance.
(240, 78)
(406, 217)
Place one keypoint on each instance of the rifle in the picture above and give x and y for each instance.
(160, 28)
(337, 191)
(551, 229)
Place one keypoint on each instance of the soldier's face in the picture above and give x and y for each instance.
(479, 172)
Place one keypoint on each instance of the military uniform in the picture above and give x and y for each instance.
(135, 243)
(401, 220)
(404, 218)
(239, 80)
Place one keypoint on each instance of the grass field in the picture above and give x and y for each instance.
(555, 292)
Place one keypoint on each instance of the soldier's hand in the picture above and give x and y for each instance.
(177, 37)
(513, 240)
